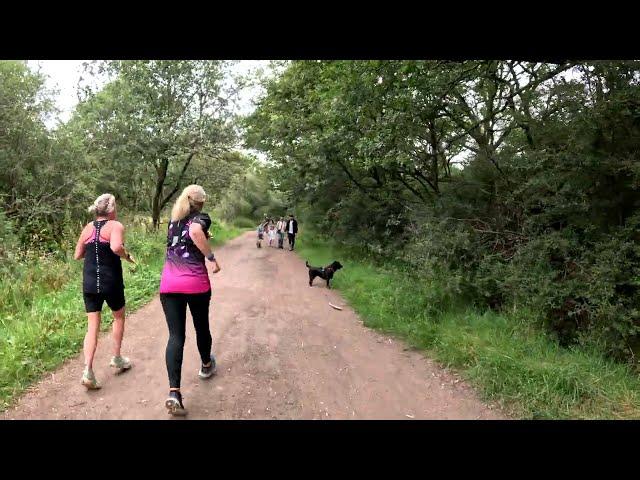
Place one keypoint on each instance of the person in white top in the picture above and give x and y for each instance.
(272, 232)
(281, 226)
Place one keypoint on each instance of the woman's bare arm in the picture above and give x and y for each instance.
(80, 247)
(117, 242)
(200, 240)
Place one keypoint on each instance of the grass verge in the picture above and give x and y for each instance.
(507, 359)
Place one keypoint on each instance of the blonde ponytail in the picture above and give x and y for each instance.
(103, 205)
(191, 198)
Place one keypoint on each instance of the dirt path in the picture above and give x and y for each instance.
(283, 353)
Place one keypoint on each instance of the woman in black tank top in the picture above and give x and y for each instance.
(102, 271)
(102, 282)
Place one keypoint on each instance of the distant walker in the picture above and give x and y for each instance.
(292, 231)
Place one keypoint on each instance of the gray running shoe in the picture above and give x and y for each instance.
(210, 371)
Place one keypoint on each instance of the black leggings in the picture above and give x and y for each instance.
(175, 311)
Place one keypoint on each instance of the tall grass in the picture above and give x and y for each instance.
(509, 360)
(42, 319)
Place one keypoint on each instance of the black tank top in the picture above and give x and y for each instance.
(102, 268)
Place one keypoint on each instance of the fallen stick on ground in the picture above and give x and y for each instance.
(335, 306)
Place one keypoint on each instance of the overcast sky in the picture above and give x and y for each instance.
(63, 76)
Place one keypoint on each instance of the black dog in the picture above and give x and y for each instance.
(325, 273)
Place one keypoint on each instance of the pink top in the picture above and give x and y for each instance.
(184, 269)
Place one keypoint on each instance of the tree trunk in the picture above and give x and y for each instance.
(156, 205)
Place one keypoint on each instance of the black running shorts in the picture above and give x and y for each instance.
(93, 301)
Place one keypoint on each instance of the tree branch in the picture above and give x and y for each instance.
(166, 199)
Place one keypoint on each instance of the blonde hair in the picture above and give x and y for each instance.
(191, 198)
(103, 205)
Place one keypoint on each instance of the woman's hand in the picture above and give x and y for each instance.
(134, 266)
(216, 266)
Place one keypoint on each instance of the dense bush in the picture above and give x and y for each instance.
(515, 186)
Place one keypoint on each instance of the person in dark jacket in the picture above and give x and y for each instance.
(292, 231)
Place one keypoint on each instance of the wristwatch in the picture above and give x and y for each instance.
(210, 257)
